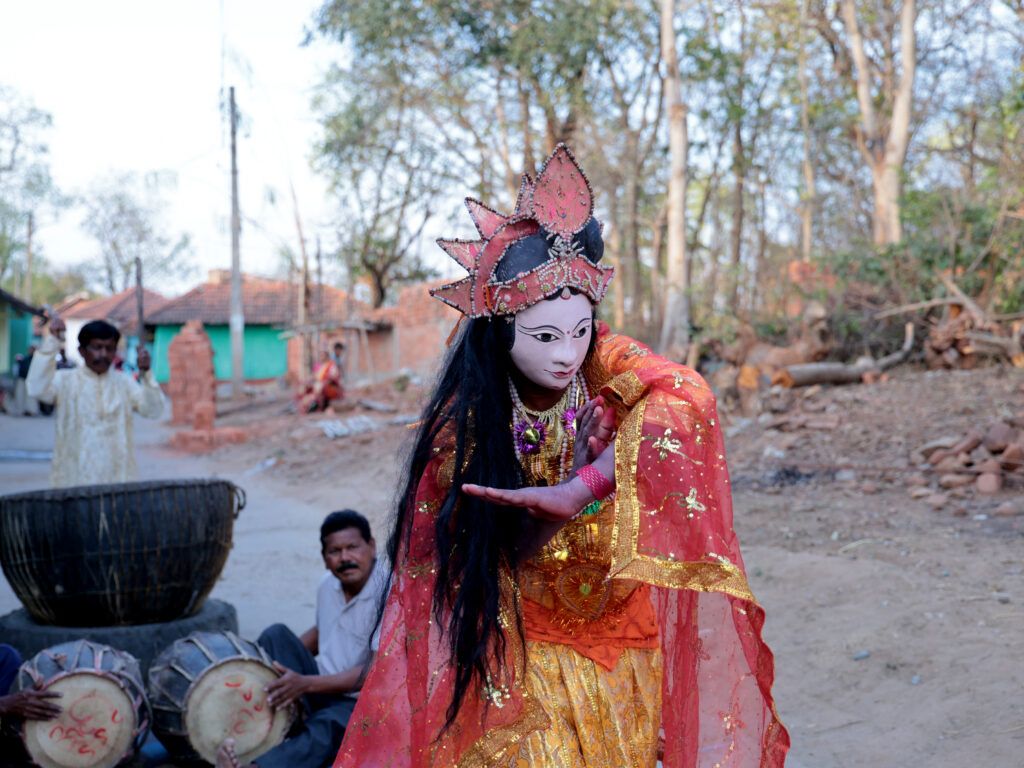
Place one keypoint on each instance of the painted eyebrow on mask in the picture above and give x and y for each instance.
(551, 327)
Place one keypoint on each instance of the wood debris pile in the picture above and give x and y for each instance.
(967, 333)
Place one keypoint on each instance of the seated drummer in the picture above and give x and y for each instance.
(347, 603)
(27, 704)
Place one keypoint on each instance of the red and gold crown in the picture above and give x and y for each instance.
(560, 203)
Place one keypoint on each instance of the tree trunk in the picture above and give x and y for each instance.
(615, 256)
(658, 267)
(529, 163)
(884, 147)
(675, 328)
(631, 237)
(809, 192)
(739, 170)
(736, 245)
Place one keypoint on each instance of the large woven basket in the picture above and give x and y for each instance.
(127, 553)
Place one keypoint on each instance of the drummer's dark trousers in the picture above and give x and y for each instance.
(319, 738)
(10, 660)
(11, 746)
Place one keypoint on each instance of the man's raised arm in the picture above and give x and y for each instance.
(41, 381)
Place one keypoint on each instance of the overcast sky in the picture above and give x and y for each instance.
(135, 86)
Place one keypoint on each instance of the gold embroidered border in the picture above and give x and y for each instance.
(626, 562)
(495, 743)
(627, 386)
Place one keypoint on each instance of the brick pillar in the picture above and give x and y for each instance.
(190, 357)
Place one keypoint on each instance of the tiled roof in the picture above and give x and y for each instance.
(120, 309)
(264, 302)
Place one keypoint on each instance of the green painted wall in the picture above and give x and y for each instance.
(266, 354)
(19, 330)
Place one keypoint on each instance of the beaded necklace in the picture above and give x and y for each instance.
(541, 436)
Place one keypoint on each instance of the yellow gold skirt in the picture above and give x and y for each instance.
(600, 718)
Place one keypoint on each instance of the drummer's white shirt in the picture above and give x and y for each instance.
(344, 627)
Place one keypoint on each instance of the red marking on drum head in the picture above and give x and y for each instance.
(115, 718)
(247, 695)
(230, 684)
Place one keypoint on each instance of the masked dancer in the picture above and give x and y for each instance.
(568, 589)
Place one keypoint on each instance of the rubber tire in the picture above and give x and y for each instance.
(143, 641)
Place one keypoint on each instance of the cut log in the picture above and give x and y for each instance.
(1011, 347)
(841, 373)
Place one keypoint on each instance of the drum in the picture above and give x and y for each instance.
(212, 685)
(105, 715)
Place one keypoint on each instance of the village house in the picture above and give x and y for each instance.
(120, 310)
(270, 309)
(15, 330)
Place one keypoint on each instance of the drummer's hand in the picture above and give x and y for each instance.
(31, 704)
(595, 429)
(557, 503)
(287, 688)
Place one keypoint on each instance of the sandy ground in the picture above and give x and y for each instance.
(897, 628)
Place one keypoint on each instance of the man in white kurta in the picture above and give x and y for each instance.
(95, 404)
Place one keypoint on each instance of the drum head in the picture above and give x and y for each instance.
(94, 730)
(230, 700)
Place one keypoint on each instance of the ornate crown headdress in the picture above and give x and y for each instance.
(560, 204)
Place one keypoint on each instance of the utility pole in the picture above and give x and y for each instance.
(237, 311)
(319, 296)
(26, 286)
(303, 308)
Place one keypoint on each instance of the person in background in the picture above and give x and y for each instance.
(323, 388)
(94, 434)
(326, 666)
(338, 356)
(23, 404)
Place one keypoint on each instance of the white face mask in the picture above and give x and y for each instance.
(551, 340)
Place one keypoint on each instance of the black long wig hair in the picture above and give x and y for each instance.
(475, 540)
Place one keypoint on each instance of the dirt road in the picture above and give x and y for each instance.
(897, 628)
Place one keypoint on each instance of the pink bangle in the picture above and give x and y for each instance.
(598, 484)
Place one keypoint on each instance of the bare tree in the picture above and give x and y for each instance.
(884, 85)
(125, 221)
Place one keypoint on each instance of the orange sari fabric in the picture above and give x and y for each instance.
(669, 547)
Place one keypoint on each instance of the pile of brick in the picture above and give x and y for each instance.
(983, 458)
(193, 390)
(190, 358)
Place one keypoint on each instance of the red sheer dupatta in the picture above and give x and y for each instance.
(672, 530)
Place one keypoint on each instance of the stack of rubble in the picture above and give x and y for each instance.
(983, 458)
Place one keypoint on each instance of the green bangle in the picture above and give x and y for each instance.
(591, 509)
